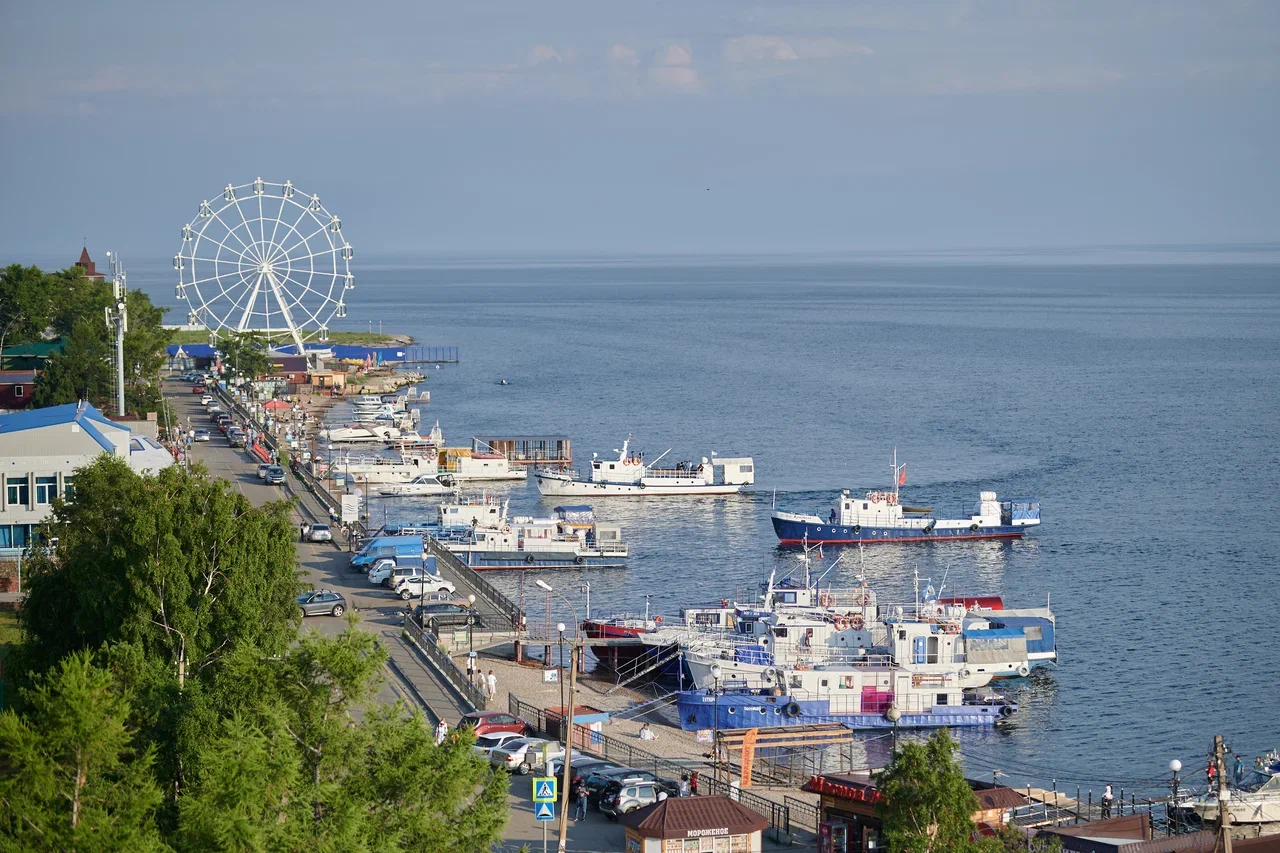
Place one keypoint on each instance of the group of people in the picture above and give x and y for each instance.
(488, 683)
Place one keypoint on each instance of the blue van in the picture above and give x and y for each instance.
(394, 547)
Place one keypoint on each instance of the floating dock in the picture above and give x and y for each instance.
(527, 449)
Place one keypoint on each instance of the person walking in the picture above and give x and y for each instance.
(580, 799)
(684, 785)
(471, 668)
(442, 732)
(491, 685)
(1107, 798)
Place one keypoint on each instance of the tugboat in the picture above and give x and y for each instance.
(881, 517)
(630, 475)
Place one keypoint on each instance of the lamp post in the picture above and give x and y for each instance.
(716, 672)
(575, 657)
(586, 585)
(893, 715)
(560, 673)
(471, 624)
(1174, 767)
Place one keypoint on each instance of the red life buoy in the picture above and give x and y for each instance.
(874, 497)
(824, 600)
(657, 620)
(856, 622)
(841, 623)
(724, 602)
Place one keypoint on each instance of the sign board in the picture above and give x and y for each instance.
(704, 735)
(459, 636)
(350, 509)
(544, 789)
(544, 811)
(550, 676)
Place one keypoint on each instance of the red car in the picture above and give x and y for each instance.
(492, 722)
(198, 389)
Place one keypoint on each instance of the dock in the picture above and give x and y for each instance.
(535, 450)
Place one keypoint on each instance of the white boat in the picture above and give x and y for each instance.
(1253, 800)
(423, 484)
(464, 465)
(361, 434)
(477, 531)
(631, 476)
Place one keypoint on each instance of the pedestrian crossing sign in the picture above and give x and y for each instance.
(544, 789)
(544, 811)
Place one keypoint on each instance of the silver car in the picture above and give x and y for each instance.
(320, 533)
(322, 602)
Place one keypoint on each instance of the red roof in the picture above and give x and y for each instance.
(694, 817)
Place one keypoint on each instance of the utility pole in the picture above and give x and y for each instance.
(119, 320)
(1224, 795)
(575, 651)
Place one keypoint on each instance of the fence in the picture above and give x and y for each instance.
(804, 814)
(624, 753)
(444, 664)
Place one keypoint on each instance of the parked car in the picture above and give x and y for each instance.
(262, 470)
(216, 412)
(494, 722)
(206, 399)
(391, 574)
(320, 533)
(524, 754)
(599, 780)
(486, 744)
(275, 476)
(202, 435)
(322, 601)
(618, 798)
(419, 585)
(580, 765)
(198, 389)
(450, 612)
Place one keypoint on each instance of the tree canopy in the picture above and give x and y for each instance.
(927, 804)
(245, 353)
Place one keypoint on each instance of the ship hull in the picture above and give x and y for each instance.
(700, 709)
(791, 532)
(557, 487)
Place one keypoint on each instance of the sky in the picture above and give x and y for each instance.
(647, 127)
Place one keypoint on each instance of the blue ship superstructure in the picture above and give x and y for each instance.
(881, 517)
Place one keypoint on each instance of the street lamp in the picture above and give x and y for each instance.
(471, 624)
(575, 651)
(716, 672)
(1174, 767)
(560, 669)
(893, 715)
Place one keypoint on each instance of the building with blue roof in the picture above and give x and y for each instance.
(41, 448)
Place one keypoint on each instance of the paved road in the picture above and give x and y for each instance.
(326, 567)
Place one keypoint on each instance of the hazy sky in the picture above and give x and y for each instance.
(699, 125)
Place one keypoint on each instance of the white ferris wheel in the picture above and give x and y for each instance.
(266, 258)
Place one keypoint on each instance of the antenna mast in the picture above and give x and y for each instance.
(118, 318)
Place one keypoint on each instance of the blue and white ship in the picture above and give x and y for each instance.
(478, 532)
(881, 517)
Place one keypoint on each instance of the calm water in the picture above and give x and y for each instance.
(1138, 401)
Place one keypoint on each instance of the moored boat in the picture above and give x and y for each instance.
(631, 476)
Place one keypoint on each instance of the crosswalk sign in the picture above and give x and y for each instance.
(544, 789)
(544, 811)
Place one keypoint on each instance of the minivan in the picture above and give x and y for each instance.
(388, 546)
(390, 575)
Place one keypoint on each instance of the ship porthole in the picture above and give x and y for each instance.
(732, 710)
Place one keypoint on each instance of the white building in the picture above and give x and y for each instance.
(39, 450)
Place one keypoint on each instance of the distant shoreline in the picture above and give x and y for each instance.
(196, 336)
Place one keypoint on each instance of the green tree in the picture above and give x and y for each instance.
(70, 777)
(927, 805)
(82, 371)
(24, 304)
(245, 353)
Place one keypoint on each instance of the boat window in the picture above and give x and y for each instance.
(780, 632)
(932, 653)
(745, 469)
(864, 506)
(822, 683)
(942, 699)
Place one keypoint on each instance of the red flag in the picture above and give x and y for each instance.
(902, 476)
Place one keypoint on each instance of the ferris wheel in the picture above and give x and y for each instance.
(266, 258)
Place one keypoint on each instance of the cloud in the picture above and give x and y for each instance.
(759, 48)
(673, 69)
(622, 55)
(543, 53)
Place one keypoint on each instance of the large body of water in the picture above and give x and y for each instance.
(1139, 401)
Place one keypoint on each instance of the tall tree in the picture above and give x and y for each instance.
(24, 304)
(70, 778)
(927, 805)
(245, 353)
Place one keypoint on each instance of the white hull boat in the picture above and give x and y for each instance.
(361, 434)
(630, 476)
(424, 484)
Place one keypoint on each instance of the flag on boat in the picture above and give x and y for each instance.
(902, 475)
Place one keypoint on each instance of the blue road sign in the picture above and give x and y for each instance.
(544, 789)
(544, 811)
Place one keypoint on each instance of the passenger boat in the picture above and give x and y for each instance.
(629, 475)
(858, 697)
(421, 485)
(363, 433)
(465, 464)
(407, 463)
(478, 532)
(1255, 799)
(880, 517)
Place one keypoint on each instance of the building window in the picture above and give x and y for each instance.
(68, 491)
(19, 492)
(14, 535)
(17, 390)
(46, 489)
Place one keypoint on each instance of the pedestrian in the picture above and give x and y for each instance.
(442, 732)
(491, 685)
(1210, 772)
(684, 784)
(693, 783)
(306, 530)
(471, 668)
(1257, 763)
(302, 533)
(646, 733)
(580, 801)
(1239, 769)
(1107, 797)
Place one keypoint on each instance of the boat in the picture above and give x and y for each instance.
(630, 475)
(879, 516)
(465, 464)
(479, 532)
(362, 433)
(421, 485)
(1255, 799)
(407, 463)
(858, 697)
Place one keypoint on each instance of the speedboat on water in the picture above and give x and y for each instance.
(423, 484)
(362, 434)
(630, 475)
(1255, 799)
(880, 517)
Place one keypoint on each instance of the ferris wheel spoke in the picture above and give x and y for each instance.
(305, 241)
(248, 308)
(231, 232)
(275, 227)
(277, 249)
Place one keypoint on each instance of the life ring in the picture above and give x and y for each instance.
(973, 528)
(529, 559)
(657, 620)
(874, 497)
(856, 622)
(824, 599)
(951, 628)
(862, 599)
(578, 561)
(964, 673)
(841, 623)
(1023, 670)
(1006, 710)
(767, 676)
(724, 602)
(792, 709)
(857, 528)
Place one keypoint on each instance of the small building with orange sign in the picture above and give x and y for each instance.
(693, 825)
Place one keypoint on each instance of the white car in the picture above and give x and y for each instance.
(486, 744)
(320, 533)
(524, 755)
(206, 399)
(262, 470)
(417, 586)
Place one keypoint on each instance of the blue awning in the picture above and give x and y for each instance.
(994, 633)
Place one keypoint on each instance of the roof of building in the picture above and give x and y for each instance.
(17, 377)
(38, 349)
(999, 798)
(88, 417)
(692, 817)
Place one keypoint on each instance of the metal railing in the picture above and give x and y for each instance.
(621, 752)
(425, 643)
(804, 814)
(506, 609)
